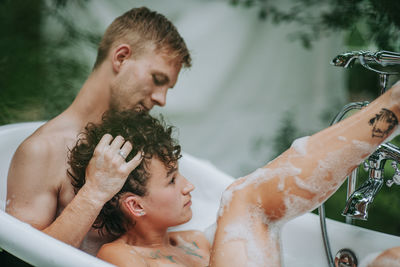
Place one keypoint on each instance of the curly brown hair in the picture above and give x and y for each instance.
(140, 27)
(147, 134)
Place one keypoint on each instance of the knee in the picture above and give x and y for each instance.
(238, 189)
(236, 192)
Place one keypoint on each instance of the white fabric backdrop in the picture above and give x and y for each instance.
(246, 74)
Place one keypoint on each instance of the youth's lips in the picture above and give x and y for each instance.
(187, 204)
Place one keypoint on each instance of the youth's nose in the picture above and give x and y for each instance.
(189, 187)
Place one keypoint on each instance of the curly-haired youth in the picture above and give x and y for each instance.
(147, 134)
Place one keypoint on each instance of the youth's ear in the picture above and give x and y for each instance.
(121, 53)
(132, 205)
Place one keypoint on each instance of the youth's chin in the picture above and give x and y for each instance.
(186, 217)
(189, 216)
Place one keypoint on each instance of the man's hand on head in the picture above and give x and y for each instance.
(108, 169)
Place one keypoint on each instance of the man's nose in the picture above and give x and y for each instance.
(159, 96)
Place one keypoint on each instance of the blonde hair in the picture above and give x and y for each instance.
(141, 27)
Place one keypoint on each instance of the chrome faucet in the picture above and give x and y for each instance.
(358, 200)
(366, 58)
(383, 58)
(358, 203)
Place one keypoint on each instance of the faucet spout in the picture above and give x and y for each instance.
(358, 204)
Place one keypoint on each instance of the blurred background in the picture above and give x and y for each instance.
(261, 74)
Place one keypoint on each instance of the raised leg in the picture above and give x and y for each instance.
(254, 208)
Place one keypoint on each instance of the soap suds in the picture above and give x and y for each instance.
(300, 145)
(259, 251)
(256, 178)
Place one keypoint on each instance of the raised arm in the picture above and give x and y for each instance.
(35, 188)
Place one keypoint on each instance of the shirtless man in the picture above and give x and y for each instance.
(139, 59)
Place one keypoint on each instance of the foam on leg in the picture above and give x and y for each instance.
(300, 145)
(259, 251)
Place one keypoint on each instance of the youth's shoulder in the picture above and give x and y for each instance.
(120, 254)
(194, 237)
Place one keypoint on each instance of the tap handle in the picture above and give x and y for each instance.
(396, 177)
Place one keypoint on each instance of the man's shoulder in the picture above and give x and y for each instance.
(44, 151)
(33, 146)
(50, 138)
(36, 145)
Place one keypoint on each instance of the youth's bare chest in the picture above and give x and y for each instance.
(178, 256)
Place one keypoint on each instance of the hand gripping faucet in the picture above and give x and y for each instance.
(358, 203)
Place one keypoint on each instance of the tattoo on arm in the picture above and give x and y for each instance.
(383, 123)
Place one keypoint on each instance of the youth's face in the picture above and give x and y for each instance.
(168, 202)
(143, 82)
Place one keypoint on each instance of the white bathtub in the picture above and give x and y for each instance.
(301, 238)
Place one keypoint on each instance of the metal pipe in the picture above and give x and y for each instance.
(351, 187)
(350, 183)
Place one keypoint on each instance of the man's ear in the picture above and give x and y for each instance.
(121, 53)
(133, 206)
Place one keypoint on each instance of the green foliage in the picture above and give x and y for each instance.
(286, 134)
(284, 137)
(375, 22)
(38, 79)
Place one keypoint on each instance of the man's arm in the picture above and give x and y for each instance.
(32, 193)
